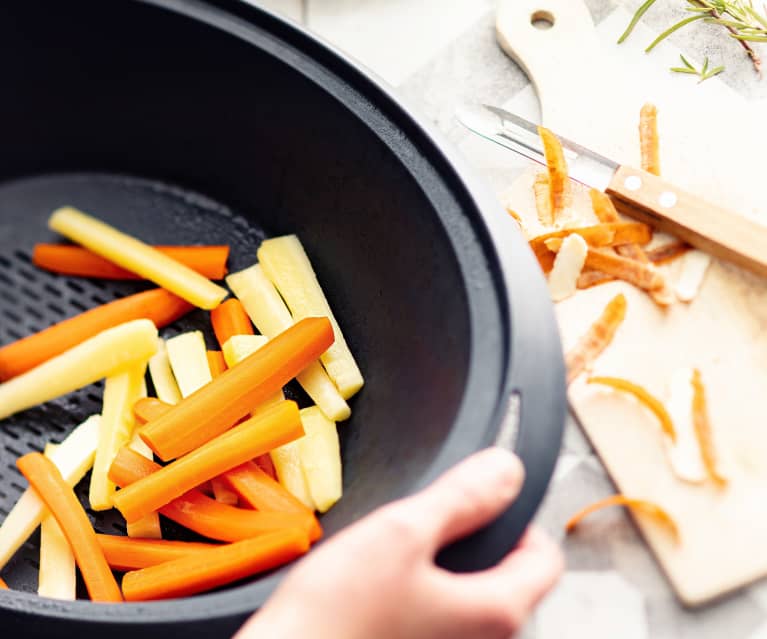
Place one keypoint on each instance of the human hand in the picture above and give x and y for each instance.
(377, 578)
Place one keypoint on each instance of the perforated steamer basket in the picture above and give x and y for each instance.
(214, 122)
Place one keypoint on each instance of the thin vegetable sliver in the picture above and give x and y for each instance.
(136, 256)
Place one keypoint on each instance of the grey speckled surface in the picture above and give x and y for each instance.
(441, 53)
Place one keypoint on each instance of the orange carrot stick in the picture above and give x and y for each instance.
(125, 553)
(230, 319)
(3, 585)
(157, 304)
(203, 515)
(216, 363)
(264, 493)
(212, 409)
(66, 259)
(148, 409)
(222, 492)
(256, 436)
(642, 505)
(215, 567)
(60, 499)
(265, 463)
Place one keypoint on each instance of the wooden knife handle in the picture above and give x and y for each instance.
(710, 228)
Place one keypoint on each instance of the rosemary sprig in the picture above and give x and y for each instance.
(704, 73)
(739, 17)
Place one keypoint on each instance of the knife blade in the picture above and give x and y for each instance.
(636, 193)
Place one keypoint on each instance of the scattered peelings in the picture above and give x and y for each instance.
(703, 431)
(597, 338)
(559, 183)
(542, 199)
(684, 453)
(644, 397)
(648, 139)
(643, 506)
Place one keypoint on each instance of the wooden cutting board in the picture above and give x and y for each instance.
(591, 90)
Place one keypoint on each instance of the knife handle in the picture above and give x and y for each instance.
(705, 226)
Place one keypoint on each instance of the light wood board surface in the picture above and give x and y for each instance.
(723, 331)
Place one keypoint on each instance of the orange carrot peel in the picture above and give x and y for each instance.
(541, 192)
(230, 319)
(703, 433)
(209, 261)
(124, 553)
(215, 567)
(641, 275)
(216, 406)
(157, 305)
(558, 179)
(644, 397)
(597, 338)
(256, 436)
(61, 501)
(203, 515)
(641, 505)
(648, 139)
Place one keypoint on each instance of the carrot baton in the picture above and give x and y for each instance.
(216, 363)
(230, 319)
(203, 515)
(148, 409)
(265, 493)
(215, 407)
(124, 553)
(265, 463)
(46, 480)
(134, 255)
(157, 305)
(3, 585)
(84, 364)
(66, 259)
(256, 436)
(214, 567)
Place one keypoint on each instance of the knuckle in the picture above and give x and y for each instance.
(402, 523)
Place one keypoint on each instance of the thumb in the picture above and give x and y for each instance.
(468, 496)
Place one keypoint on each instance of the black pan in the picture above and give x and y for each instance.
(214, 122)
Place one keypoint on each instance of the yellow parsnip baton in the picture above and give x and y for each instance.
(321, 458)
(189, 361)
(136, 256)
(165, 385)
(286, 264)
(268, 312)
(86, 363)
(121, 391)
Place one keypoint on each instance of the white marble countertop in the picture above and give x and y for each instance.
(439, 54)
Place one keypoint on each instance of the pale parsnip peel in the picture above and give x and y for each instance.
(136, 256)
(84, 364)
(268, 312)
(286, 264)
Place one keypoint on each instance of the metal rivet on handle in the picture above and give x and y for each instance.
(633, 183)
(667, 199)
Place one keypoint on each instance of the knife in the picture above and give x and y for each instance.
(636, 193)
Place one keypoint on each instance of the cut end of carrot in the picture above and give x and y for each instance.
(3, 585)
(147, 409)
(648, 508)
(229, 319)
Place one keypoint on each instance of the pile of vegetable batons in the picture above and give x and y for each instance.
(242, 466)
